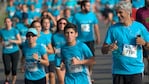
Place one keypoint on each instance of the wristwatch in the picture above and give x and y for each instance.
(39, 60)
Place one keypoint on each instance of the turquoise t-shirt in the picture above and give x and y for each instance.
(22, 30)
(58, 40)
(48, 37)
(33, 69)
(11, 11)
(138, 3)
(85, 23)
(76, 74)
(7, 35)
(128, 58)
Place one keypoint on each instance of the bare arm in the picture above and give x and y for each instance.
(111, 47)
(96, 30)
(43, 60)
(50, 49)
(17, 41)
(52, 18)
(89, 61)
(142, 42)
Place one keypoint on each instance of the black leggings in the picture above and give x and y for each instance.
(10, 62)
(91, 44)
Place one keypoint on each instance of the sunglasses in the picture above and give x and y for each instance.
(62, 23)
(30, 35)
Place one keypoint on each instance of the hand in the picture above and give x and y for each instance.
(140, 41)
(35, 56)
(58, 50)
(49, 14)
(75, 61)
(113, 46)
(22, 68)
(11, 41)
(3, 43)
(62, 66)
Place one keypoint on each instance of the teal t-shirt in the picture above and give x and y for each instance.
(128, 58)
(7, 35)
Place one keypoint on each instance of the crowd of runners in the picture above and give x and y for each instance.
(57, 40)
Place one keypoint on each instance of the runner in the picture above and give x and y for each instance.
(76, 57)
(58, 40)
(35, 57)
(10, 39)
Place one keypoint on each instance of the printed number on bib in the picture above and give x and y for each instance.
(130, 51)
(31, 66)
(74, 68)
(8, 45)
(12, 13)
(85, 27)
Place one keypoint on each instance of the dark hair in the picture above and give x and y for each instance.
(42, 19)
(32, 24)
(66, 9)
(59, 21)
(83, 3)
(43, 13)
(70, 26)
(106, 11)
(7, 18)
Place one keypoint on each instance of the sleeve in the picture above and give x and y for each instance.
(108, 37)
(95, 19)
(145, 33)
(48, 40)
(16, 31)
(42, 50)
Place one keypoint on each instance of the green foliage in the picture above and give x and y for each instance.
(2, 13)
(2, 17)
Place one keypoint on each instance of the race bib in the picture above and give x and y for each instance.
(37, 9)
(31, 66)
(85, 27)
(8, 45)
(12, 14)
(130, 51)
(74, 68)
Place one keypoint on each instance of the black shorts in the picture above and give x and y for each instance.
(40, 81)
(91, 44)
(127, 79)
(145, 53)
(51, 67)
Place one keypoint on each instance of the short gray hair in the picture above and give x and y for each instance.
(125, 5)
